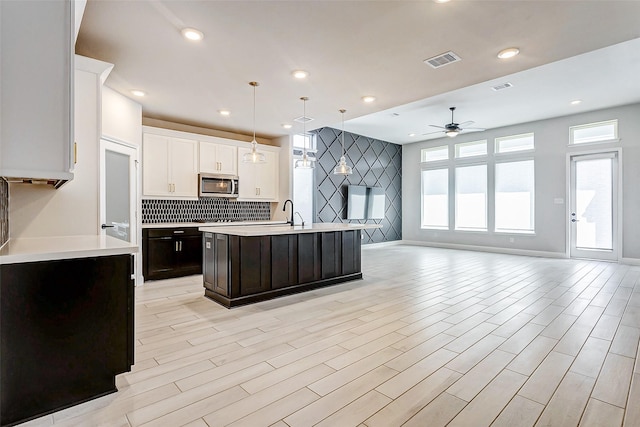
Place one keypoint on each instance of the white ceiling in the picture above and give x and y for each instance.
(587, 50)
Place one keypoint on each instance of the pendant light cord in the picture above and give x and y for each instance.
(254, 84)
(343, 111)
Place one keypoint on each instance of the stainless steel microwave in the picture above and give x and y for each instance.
(210, 185)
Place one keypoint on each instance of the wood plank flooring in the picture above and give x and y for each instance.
(430, 337)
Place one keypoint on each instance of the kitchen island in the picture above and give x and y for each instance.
(247, 264)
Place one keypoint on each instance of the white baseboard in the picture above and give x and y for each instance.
(630, 261)
(492, 249)
(382, 244)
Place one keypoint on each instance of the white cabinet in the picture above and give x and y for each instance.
(169, 167)
(258, 181)
(218, 158)
(36, 89)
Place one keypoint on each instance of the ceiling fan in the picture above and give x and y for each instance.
(453, 129)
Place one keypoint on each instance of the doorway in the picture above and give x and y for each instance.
(593, 207)
(119, 187)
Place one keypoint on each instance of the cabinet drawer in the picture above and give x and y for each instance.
(171, 232)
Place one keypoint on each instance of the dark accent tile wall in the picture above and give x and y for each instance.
(375, 163)
(208, 209)
(4, 211)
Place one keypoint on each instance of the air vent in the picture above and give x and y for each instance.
(303, 119)
(502, 86)
(442, 59)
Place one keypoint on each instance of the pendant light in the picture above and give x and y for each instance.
(254, 156)
(305, 162)
(342, 168)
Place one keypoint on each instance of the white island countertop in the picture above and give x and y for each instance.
(211, 224)
(33, 249)
(271, 230)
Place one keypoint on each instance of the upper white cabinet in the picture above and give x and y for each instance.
(258, 181)
(216, 157)
(36, 89)
(169, 167)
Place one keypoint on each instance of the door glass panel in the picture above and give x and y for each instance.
(594, 198)
(117, 195)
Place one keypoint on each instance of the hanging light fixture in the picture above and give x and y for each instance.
(254, 156)
(305, 162)
(342, 168)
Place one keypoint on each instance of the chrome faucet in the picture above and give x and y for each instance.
(301, 219)
(284, 207)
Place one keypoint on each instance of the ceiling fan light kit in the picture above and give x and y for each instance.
(453, 129)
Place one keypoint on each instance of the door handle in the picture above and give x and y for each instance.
(103, 226)
(575, 220)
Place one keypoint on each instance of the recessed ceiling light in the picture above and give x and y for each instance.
(300, 74)
(368, 98)
(224, 112)
(138, 92)
(576, 101)
(441, 1)
(287, 125)
(192, 34)
(412, 134)
(508, 53)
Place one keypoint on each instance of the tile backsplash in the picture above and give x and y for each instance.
(208, 209)
(4, 211)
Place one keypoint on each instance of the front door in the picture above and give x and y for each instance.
(594, 206)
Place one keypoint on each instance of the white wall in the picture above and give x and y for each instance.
(121, 118)
(551, 139)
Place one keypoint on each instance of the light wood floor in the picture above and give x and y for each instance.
(430, 337)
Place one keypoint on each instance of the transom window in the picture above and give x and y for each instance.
(471, 149)
(515, 143)
(434, 154)
(594, 132)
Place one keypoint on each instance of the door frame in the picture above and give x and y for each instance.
(136, 230)
(617, 196)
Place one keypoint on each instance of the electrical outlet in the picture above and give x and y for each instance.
(511, 240)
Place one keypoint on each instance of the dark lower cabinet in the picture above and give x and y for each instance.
(216, 256)
(171, 252)
(66, 331)
(241, 270)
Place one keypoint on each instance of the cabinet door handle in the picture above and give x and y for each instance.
(180, 245)
(176, 246)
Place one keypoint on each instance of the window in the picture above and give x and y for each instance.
(594, 132)
(514, 143)
(299, 141)
(435, 198)
(434, 154)
(471, 197)
(514, 196)
(471, 149)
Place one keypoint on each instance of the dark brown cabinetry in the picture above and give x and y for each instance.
(240, 270)
(66, 330)
(171, 252)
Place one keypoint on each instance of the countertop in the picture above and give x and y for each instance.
(210, 224)
(32, 249)
(270, 230)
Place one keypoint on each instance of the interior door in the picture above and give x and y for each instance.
(118, 191)
(593, 216)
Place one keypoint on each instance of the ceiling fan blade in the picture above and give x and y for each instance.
(431, 133)
(439, 127)
(467, 123)
(473, 129)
